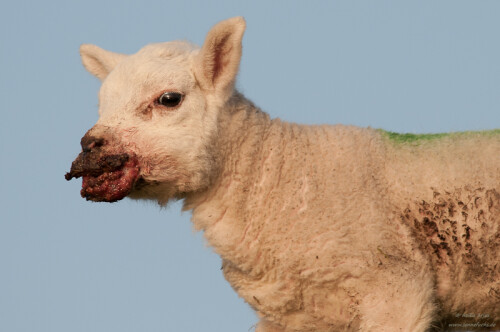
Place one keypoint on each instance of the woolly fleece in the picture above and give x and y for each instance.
(320, 228)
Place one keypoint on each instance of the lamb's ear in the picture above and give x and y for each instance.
(99, 62)
(216, 65)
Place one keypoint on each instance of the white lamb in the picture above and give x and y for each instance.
(320, 228)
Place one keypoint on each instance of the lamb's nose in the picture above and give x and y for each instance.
(91, 142)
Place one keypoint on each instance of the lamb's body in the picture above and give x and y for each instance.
(311, 219)
(320, 228)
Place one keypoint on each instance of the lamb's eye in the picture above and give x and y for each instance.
(170, 99)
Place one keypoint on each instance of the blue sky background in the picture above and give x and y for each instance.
(70, 265)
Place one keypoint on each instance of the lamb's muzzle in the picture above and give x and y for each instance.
(105, 177)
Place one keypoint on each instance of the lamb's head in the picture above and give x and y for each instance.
(158, 117)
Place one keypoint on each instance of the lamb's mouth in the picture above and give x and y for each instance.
(105, 178)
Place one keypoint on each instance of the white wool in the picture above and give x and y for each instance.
(320, 228)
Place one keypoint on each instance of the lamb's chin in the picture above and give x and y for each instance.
(111, 186)
(153, 190)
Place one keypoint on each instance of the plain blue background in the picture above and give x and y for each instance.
(70, 265)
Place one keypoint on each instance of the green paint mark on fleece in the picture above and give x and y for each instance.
(417, 138)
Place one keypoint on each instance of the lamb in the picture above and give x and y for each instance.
(320, 228)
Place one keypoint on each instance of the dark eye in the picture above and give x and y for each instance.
(170, 99)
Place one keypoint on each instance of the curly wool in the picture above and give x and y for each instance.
(320, 228)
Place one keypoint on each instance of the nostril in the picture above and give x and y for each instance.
(90, 142)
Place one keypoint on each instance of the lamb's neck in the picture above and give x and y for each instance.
(222, 210)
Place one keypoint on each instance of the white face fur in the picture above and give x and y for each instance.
(169, 141)
(173, 143)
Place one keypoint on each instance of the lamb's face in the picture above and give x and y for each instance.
(158, 117)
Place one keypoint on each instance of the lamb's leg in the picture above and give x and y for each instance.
(400, 304)
(265, 326)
